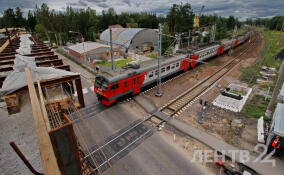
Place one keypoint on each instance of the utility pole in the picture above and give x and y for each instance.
(280, 33)
(275, 91)
(48, 38)
(94, 36)
(111, 51)
(249, 36)
(188, 40)
(60, 39)
(234, 34)
(213, 33)
(159, 92)
(56, 38)
(235, 30)
(179, 41)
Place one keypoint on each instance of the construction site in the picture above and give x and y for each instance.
(138, 100)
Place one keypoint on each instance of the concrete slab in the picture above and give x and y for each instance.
(231, 103)
(147, 104)
(162, 116)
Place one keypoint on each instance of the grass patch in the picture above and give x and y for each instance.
(152, 55)
(118, 63)
(267, 56)
(74, 60)
(241, 92)
(271, 38)
(256, 107)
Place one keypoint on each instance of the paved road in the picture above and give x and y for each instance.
(155, 155)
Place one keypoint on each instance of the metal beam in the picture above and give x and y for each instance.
(51, 82)
(49, 63)
(65, 147)
(80, 92)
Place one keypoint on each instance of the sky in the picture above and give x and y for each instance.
(239, 8)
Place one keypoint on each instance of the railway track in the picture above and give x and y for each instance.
(87, 112)
(128, 138)
(185, 98)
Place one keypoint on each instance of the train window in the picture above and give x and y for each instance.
(104, 86)
(137, 79)
(177, 65)
(151, 75)
(125, 84)
(168, 68)
(134, 81)
(114, 86)
(173, 66)
(98, 82)
(156, 72)
(163, 69)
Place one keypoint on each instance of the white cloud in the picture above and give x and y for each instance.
(239, 8)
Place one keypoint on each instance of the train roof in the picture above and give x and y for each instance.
(121, 73)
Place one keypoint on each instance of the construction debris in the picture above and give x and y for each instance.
(266, 75)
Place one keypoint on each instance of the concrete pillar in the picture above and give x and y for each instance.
(275, 91)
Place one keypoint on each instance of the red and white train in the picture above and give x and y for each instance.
(112, 85)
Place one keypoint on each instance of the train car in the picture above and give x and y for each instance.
(114, 84)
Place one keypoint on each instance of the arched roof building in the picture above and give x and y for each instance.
(132, 38)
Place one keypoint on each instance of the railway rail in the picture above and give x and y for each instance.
(133, 135)
(182, 100)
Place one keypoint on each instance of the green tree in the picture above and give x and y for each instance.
(166, 40)
(31, 21)
(9, 18)
(19, 20)
(39, 28)
(180, 18)
(221, 29)
(231, 23)
(42, 15)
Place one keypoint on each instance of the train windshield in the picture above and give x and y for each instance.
(101, 83)
(104, 86)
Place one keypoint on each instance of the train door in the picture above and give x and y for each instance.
(136, 84)
(236, 43)
(193, 60)
(185, 63)
(125, 86)
(220, 50)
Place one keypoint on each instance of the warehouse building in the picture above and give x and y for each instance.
(132, 38)
(92, 51)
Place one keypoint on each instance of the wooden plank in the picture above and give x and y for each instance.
(47, 155)
(44, 112)
(4, 46)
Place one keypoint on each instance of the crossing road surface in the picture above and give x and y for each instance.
(154, 155)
